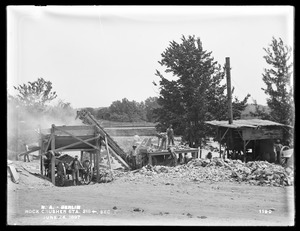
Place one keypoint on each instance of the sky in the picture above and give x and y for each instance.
(94, 55)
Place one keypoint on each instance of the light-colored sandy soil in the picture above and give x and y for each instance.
(157, 201)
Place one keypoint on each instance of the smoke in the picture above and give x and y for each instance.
(23, 123)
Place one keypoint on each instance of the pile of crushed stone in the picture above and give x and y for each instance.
(218, 170)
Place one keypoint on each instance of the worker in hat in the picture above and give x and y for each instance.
(133, 155)
(75, 166)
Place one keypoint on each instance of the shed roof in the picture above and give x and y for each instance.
(251, 123)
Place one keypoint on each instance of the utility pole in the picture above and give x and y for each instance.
(227, 66)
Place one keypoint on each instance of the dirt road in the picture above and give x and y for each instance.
(148, 201)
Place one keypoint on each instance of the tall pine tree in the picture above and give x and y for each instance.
(278, 82)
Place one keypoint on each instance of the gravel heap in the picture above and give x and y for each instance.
(216, 170)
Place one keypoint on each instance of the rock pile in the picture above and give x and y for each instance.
(217, 169)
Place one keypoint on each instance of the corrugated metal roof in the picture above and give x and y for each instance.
(251, 123)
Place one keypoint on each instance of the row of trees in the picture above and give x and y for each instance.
(127, 111)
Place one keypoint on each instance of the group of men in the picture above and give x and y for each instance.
(164, 136)
(138, 159)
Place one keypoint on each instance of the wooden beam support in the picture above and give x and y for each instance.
(97, 153)
(244, 151)
(40, 152)
(53, 155)
(74, 144)
(224, 134)
(77, 138)
(240, 134)
(91, 159)
(108, 157)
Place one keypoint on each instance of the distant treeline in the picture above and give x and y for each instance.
(131, 113)
(127, 111)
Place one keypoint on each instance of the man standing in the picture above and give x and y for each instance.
(170, 134)
(75, 166)
(133, 154)
(173, 155)
(163, 137)
(278, 147)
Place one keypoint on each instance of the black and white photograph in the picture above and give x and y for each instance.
(150, 115)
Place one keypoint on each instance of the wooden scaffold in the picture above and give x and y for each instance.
(72, 138)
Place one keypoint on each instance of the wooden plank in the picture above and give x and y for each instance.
(74, 144)
(49, 142)
(14, 175)
(97, 162)
(76, 127)
(75, 130)
(262, 134)
(193, 150)
(61, 141)
(30, 151)
(108, 157)
(76, 137)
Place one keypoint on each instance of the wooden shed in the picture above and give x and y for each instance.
(248, 139)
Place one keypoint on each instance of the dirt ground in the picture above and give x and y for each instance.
(146, 201)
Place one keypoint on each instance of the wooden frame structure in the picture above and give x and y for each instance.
(72, 138)
(244, 134)
(194, 151)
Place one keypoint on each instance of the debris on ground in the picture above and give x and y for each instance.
(138, 210)
(217, 170)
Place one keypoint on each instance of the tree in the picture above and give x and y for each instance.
(197, 94)
(127, 111)
(29, 109)
(150, 105)
(278, 82)
(35, 95)
(260, 112)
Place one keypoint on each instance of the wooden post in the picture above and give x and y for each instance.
(150, 159)
(254, 150)
(41, 151)
(108, 156)
(95, 158)
(220, 149)
(227, 65)
(97, 153)
(244, 151)
(53, 155)
(91, 158)
(97, 164)
(81, 156)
